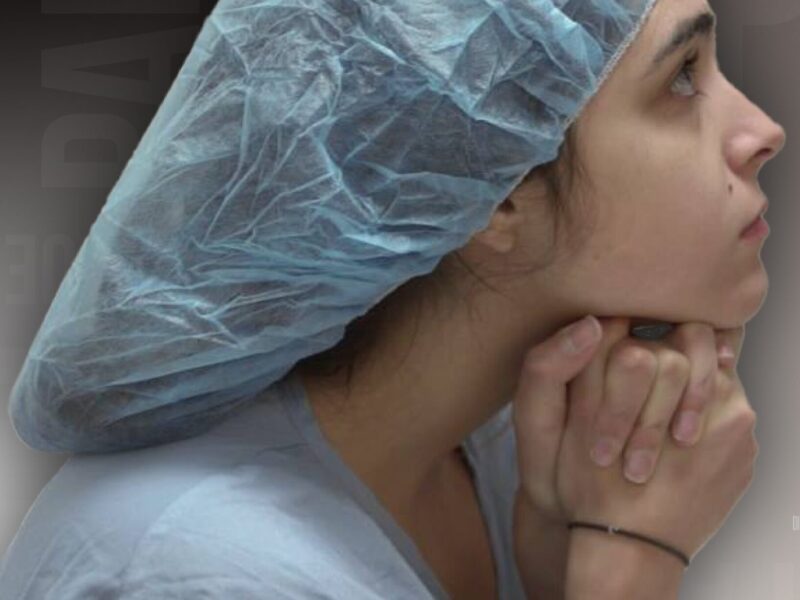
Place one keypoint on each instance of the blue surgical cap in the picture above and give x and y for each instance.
(310, 157)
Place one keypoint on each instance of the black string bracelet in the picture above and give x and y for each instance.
(617, 530)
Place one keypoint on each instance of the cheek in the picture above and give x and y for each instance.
(670, 211)
(664, 253)
(689, 275)
(666, 241)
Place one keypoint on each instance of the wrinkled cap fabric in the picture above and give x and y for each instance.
(309, 158)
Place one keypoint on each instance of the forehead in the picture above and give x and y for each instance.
(658, 29)
(656, 32)
(618, 91)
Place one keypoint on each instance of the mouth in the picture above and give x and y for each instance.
(758, 226)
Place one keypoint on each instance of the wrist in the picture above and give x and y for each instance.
(540, 551)
(601, 565)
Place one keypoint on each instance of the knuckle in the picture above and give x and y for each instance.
(747, 416)
(673, 365)
(615, 424)
(620, 325)
(648, 437)
(614, 328)
(634, 358)
(743, 422)
(537, 365)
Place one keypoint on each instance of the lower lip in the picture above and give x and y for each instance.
(757, 231)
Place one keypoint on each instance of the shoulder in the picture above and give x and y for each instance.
(221, 505)
(282, 528)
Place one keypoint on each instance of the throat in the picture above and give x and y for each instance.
(450, 532)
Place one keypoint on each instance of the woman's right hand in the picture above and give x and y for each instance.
(692, 489)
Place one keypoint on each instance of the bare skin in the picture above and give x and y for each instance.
(674, 181)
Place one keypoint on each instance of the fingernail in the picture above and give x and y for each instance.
(725, 351)
(638, 465)
(603, 451)
(581, 335)
(686, 426)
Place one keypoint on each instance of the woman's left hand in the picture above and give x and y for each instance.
(539, 417)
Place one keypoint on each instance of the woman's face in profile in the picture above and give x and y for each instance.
(673, 155)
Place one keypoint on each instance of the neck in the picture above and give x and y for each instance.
(411, 405)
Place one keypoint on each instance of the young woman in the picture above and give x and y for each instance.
(410, 474)
(670, 152)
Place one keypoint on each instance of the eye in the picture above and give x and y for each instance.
(687, 73)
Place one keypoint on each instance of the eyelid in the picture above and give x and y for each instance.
(696, 48)
(692, 55)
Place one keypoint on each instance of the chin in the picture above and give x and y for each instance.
(739, 304)
(737, 314)
(752, 294)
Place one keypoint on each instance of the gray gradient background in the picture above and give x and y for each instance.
(77, 69)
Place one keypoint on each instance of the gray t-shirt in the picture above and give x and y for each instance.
(261, 507)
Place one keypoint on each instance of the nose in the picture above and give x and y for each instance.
(767, 139)
(773, 142)
(754, 138)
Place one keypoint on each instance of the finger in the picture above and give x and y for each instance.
(698, 342)
(630, 372)
(586, 389)
(728, 343)
(726, 361)
(539, 405)
(645, 444)
(733, 339)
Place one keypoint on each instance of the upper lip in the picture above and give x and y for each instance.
(760, 214)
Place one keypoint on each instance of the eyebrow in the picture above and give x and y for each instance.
(702, 24)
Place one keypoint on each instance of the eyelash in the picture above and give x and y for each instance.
(689, 68)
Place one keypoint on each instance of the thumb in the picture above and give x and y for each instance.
(540, 403)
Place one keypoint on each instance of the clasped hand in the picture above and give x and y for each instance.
(634, 392)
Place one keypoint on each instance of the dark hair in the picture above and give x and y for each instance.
(558, 175)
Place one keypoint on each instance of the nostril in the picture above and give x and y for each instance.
(765, 154)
